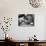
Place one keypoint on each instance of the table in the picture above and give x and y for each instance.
(28, 43)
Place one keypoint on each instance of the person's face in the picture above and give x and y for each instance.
(28, 19)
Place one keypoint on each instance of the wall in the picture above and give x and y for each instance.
(45, 28)
(11, 8)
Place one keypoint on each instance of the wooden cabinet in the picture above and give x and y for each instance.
(21, 44)
(17, 44)
(25, 44)
(37, 44)
(42, 44)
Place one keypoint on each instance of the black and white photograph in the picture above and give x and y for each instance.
(26, 20)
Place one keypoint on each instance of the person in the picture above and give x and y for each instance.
(21, 19)
(28, 19)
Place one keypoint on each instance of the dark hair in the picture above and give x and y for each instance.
(21, 15)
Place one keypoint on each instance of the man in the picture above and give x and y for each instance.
(21, 19)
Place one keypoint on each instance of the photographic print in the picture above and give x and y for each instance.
(26, 20)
